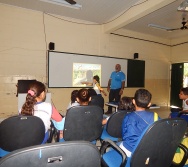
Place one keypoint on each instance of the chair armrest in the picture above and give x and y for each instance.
(109, 143)
(184, 159)
(53, 133)
(182, 112)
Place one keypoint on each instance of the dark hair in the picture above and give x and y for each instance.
(142, 98)
(92, 92)
(96, 77)
(74, 96)
(36, 88)
(83, 95)
(184, 90)
(126, 104)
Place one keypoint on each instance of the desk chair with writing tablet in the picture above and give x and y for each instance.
(155, 148)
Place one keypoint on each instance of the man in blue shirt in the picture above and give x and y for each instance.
(116, 85)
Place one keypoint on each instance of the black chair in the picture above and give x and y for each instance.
(97, 100)
(156, 147)
(21, 131)
(83, 123)
(113, 128)
(65, 154)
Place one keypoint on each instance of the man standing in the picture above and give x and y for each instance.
(116, 85)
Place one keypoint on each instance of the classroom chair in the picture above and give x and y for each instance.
(83, 123)
(180, 114)
(155, 148)
(20, 131)
(65, 154)
(113, 129)
(97, 100)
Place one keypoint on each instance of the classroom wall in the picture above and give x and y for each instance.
(179, 52)
(25, 35)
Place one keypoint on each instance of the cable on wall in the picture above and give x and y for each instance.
(46, 47)
(96, 23)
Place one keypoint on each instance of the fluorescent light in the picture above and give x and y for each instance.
(63, 3)
(183, 6)
(159, 27)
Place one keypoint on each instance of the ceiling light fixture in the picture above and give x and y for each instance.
(159, 27)
(63, 3)
(183, 6)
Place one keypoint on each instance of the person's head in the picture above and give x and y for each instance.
(118, 67)
(73, 96)
(142, 99)
(83, 97)
(96, 78)
(183, 93)
(126, 103)
(36, 93)
(92, 92)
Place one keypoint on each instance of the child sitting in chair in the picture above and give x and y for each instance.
(183, 95)
(137, 121)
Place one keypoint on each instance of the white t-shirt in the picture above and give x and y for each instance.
(43, 110)
(73, 104)
(96, 88)
(185, 106)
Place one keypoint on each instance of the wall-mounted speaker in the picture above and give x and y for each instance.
(51, 46)
(135, 55)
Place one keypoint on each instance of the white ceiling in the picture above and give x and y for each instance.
(103, 11)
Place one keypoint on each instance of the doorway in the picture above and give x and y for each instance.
(179, 79)
(185, 75)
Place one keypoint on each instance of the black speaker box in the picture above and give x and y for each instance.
(135, 55)
(51, 46)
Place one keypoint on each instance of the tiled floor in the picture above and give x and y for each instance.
(163, 111)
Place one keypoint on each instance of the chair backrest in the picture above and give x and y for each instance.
(159, 143)
(83, 123)
(21, 131)
(97, 100)
(64, 154)
(114, 124)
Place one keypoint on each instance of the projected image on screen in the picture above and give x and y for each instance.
(83, 72)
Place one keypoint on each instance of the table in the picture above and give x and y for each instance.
(112, 105)
(116, 106)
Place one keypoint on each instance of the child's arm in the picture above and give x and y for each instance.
(105, 120)
(58, 121)
(87, 83)
(102, 90)
(55, 115)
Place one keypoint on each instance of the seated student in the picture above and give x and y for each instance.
(83, 97)
(35, 105)
(137, 121)
(73, 101)
(183, 95)
(124, 104)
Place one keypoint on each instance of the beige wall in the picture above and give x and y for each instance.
(179, 50)
(25, 35)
